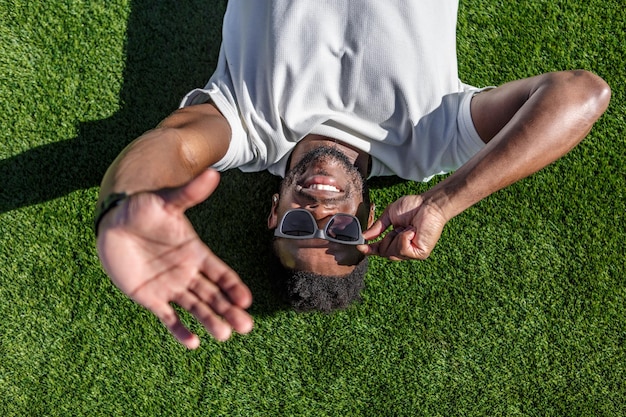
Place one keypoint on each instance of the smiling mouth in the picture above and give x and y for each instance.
(320, 193)
(320, 188)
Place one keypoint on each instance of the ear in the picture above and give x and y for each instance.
(272, 219)
(372, 215)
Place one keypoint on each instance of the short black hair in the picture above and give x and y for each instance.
(307, 291)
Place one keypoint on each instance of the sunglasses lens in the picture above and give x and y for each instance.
(298, 223)
(343, 227)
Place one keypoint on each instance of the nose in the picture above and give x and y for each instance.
(321, 211)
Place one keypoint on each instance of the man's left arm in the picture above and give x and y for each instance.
(526, 124)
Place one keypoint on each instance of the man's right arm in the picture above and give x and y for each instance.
(147, 245)
(177, 150)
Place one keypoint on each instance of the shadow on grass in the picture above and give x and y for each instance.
(171, 48)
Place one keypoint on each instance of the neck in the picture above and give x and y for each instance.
(359, 158)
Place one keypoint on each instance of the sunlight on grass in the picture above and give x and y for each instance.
(519, 311)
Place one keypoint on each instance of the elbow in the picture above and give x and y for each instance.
(599, 95)
(590, 95)
(582, 97)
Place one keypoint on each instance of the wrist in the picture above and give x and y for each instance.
(447, 199)
(106, 206)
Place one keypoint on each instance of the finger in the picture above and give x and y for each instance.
(367, 250)
(170, 319)
(218, 302)
(378, 227)
(405, 247)
(227, 280)
(376, 248)
(396, 245)
(205, 315)
(387, 244)
(194, 192)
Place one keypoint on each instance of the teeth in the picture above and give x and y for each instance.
(324, 187)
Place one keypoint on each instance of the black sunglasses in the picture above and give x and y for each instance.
(300, 224)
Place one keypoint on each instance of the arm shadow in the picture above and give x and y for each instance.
(171, 48)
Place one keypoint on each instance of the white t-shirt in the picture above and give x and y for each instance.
(378, 75)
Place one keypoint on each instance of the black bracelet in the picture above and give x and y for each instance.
(107, 205)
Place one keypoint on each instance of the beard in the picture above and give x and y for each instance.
(356, 182)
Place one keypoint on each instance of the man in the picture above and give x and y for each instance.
(326, 93)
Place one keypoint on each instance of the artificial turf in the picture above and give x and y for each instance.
(520, 310)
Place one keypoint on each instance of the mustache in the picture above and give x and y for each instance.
(319, 154)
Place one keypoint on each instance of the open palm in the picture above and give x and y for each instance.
(153, 254)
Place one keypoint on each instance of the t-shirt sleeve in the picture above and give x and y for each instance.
(240, 150)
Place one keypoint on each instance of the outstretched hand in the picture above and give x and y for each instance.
(417, 227)
(153, 254)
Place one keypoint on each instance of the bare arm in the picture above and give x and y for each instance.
(527, 124)
(147, 245)
(177, 150)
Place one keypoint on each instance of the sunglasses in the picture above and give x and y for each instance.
(300, 224)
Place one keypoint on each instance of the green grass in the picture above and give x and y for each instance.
(519, 311)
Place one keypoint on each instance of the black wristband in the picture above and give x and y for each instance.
(107, 205)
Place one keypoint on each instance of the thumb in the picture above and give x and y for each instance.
(378, 227)
(194, 192)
